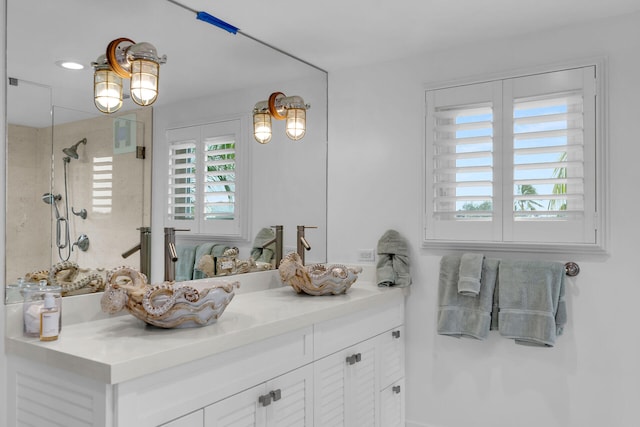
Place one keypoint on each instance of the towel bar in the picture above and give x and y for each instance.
(572, 269)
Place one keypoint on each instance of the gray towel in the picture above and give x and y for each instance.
(463, 315)
(185, 264)
(470, 271)
(531, 300)
(393, 266)
(266, 254)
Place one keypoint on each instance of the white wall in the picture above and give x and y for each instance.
(592, 376)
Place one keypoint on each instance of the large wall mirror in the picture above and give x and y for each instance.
(78, 188)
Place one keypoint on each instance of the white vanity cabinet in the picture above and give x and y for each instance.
(278, 360)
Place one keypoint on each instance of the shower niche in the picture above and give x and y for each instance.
(78, 191)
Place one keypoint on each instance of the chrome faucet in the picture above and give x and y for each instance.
(278, 241)
(170, 253)
(302, 243)
(145, 250)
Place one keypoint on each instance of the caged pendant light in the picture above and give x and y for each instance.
(281, 107)
(126, 59)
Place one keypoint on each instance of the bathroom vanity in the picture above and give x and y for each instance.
(274, 358)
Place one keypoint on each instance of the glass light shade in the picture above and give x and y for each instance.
(107, 91)
(296, 125)
(262, 127)
(144, 81)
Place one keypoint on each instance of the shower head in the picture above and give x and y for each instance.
(51, 199)
(73, 150)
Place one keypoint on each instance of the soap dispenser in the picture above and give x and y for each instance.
(49, 319)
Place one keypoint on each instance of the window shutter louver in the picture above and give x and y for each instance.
(463, 163)
(548, 158)
(182, 181)
(219, 178)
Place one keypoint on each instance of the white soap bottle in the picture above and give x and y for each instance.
(49, 319)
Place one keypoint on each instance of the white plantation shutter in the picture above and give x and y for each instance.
(513, 161)
(181, 203)
(460, 152)
(219, 178)
(205, 179)
(551, 138)
(463, 162)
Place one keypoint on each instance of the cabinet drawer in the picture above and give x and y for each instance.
(336, 334)
(392, 405)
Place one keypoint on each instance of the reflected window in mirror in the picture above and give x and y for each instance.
(206, 179)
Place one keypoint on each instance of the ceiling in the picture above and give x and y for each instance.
(203, 59)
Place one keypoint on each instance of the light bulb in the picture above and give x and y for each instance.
(144, 81)
(107, 91)
(296, 125)
(262, 127)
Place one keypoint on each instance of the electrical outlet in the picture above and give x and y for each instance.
(366, 255)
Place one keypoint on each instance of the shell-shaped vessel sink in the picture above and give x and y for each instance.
(169, 304)
(317, 279)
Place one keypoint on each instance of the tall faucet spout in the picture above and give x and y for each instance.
(302, 243)
(279, 244)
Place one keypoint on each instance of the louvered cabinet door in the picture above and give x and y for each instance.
(346, 387)
(329, 380)
(391, 356)
(362, 388)
(240, 410)
(292, 399)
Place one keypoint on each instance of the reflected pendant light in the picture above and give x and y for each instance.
(262, 127)
(280, 107)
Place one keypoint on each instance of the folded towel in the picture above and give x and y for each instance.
(469, 276)
(185, 264)
(393, 266)
(260, 253)
(531, 301)
(463, 315)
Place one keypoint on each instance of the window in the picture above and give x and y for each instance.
(513, 163)
(205, 181)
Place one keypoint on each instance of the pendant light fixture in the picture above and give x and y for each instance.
(280, 107)
(126, 59)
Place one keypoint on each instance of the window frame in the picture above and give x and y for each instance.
(600, 193)
(227, 230)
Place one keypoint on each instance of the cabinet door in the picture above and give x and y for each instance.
(362, 386)
(292, 399)
(391, 356)
(240, 410)
(345, 387)
(392, 405)
(194, 419)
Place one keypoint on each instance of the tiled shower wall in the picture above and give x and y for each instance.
(112, 219)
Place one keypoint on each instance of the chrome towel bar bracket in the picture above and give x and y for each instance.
(572, 269)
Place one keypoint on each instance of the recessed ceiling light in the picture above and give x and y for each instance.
(70, 65)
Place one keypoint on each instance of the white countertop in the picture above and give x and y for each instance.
(118, 349)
